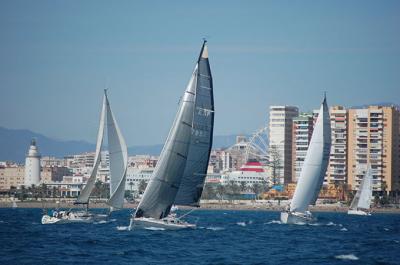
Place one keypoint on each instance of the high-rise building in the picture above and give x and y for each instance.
(373, 139)
(302, 132)
(337, 168)
(280, 141)
(11, 176)
(32, 165)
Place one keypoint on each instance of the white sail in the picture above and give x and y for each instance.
(87, 190)
(363, 197)
(315, 163)
(118, 154)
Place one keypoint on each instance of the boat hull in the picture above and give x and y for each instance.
(166, 223)
(358, 212)
(65, 218)
(296, 218)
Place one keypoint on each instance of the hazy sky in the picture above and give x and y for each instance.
(57, 56)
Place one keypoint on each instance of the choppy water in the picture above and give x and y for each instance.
(222, 237)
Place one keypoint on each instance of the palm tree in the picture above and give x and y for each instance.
(243, 186)
(221, 191)
(142, 186)
(256, 188)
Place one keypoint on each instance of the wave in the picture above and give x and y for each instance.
(347, 257)
(241, 223)
(101, 222)
(122, 228)
(274, 222)
(215, 228)
(343, 229)
(152, 228)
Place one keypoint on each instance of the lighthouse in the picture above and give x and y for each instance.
(32, 166)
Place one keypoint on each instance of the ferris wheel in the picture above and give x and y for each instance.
(257, 147)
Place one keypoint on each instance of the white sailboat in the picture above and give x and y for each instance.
(313, 171)
(178, 178)
(14, 204)
(118, 165)
(362, 201)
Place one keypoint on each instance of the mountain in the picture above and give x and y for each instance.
(14, 144)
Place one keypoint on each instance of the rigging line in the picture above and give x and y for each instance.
(186, 213)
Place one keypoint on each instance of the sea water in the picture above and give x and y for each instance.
(221, 237)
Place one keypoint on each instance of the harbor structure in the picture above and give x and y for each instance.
(32, 166)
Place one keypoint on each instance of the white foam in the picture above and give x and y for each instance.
(347, 257)
(343, 229)
(101, 222)
(274, 222)
(152, 228)
(122, 228)
(241, 223)
(215, 228)
(386, 229)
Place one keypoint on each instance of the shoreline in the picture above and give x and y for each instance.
(204, 206)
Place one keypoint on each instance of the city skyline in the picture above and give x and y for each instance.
(57, 59)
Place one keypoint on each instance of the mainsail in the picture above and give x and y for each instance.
(191, 188)
(315, 164)
(167, 178)
(118, 154)
(363, 197)
(87, 190)
(118, 159)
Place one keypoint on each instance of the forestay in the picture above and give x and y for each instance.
(164, 184)
(315, 163)
(87, 190)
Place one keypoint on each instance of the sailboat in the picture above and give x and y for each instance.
(313, 171)
(118, 165)
(362, 201)
(179, 176)
(14, 204)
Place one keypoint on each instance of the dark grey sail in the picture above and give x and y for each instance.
(163, 187)
(191, 188)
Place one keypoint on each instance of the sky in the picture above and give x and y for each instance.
(56, 57)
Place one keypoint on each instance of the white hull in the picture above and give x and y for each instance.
(358, 212)
(65, 218)
(297, 218)
(167, 223)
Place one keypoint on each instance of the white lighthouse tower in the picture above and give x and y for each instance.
(32, 166)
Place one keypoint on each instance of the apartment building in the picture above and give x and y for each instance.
(280, 140)
(373, 139)
(337, 168)
(302, 132)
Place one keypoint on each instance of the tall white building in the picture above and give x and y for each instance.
(280, 140)
(302, 132)
(32, 166)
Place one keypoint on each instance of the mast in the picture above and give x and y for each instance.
(118, 154)
(83, 197)
(315, 164)
(191, 188)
